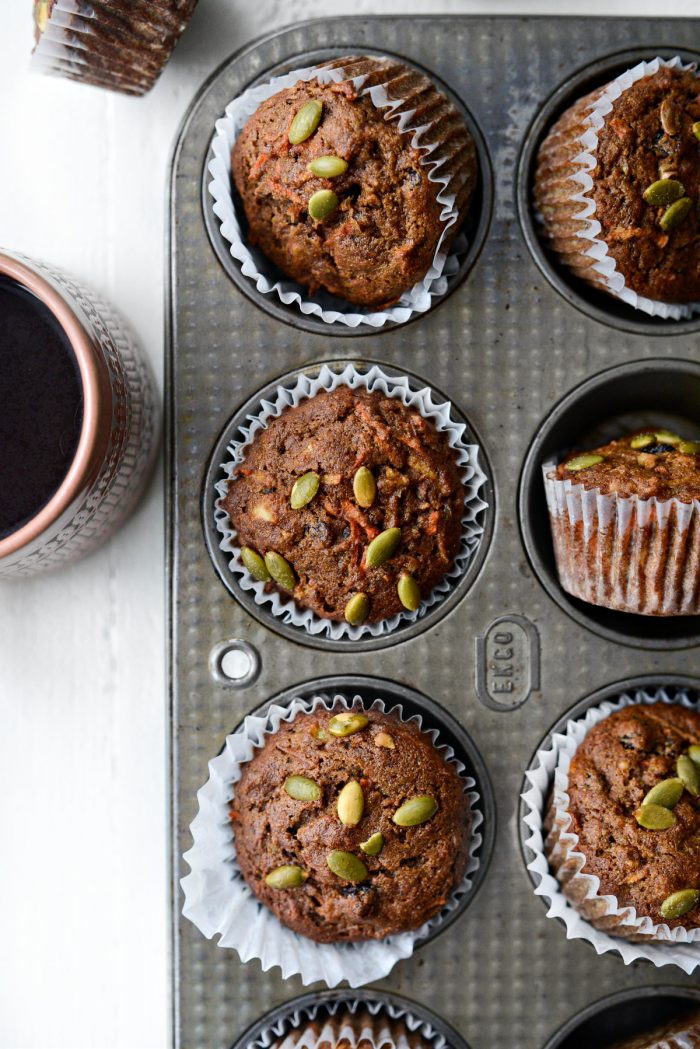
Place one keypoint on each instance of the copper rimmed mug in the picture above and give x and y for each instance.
(118, 437)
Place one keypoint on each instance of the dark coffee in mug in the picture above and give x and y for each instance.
(41, 405)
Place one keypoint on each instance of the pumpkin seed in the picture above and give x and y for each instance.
(346, 866)
(696, 129)
(320, 734)
(689, 447)
(357, 609)
(668, 115)
(414, 811)
(643, 440)
(254, 564)
(374, 845)
(305, 122)
(301, 788)
(383, 739)
(667, 793)
(667, 437)
(408, 591)
(322, 204)
(351, 804)
(347, 724)
(280, 570)
(665, 191)
(689, 774)
(679, 903)
(654, 817)
(287, 877)
(582, 462)
(305, 488)
(382, 547)
(675, 214)
(694, 753)
(328, 167)
(365, 487)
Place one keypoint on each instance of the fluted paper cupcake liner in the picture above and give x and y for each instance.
(406, 109)
(473, 479)
(563, 196)
(573, 895)
(629, 554)
(678, 1035)
(382, 1025)
(219, 901)
(110, 43)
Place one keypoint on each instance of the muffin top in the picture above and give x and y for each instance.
(647, 464)
(618, 763)
(375, 466)
(350, 825)
(659, 1038)
(651, 139)
(365, 225)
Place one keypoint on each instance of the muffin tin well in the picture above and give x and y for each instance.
(626, 1014)
(595, 304)
(510, 654)
(474, 227)
(662, 393)
(278, 622)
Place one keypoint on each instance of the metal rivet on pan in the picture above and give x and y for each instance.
(234, 663)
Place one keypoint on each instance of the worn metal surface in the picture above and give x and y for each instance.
(506, 345)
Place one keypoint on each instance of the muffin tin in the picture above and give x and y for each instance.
(506, 345)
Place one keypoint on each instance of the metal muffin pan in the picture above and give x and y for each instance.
(475, 226)
(221, 559)
(506, 660)
(284, 1013)
(625, 1015)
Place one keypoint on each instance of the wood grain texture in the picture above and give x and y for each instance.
(83, 878)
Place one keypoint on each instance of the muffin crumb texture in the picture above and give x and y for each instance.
(646, 186)
(336, 196)
(342, 891)
(360, 497)
(619, 762)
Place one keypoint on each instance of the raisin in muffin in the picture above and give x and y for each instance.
(350, 502)
(633, 805)
(337, 197)
(625, 522)
(350, 825)
(645, 186)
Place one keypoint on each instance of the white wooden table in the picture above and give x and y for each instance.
(83, 875)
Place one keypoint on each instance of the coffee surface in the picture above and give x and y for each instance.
(41, 406)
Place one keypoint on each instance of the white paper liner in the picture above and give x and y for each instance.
(681, 946)
(378, 1034)
(605, 264)
(473, 478)
(634, 555)
(326, 307)
(219, 901)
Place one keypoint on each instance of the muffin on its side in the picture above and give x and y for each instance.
(645, 187)
(625, 521)
(634, 807)
(350, 825)
(351, 502)
(340, 199)
(682, 1034)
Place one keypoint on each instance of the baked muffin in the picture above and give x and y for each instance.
(625, 523)
(122, 45)
(355, 503)
(354, 1030)
(644, 186)
(337, 196)
(682, 1034)
(350, 825)
(633, 806)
